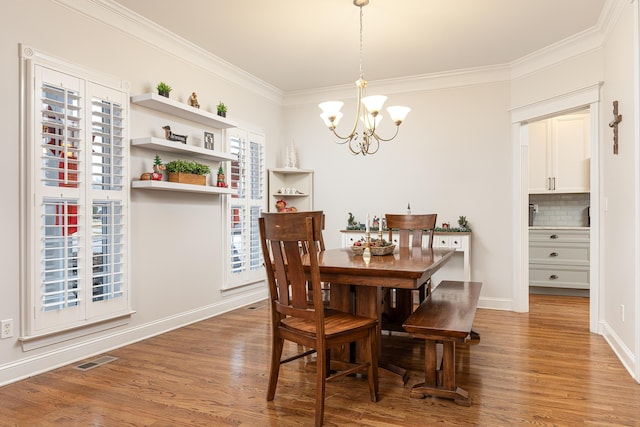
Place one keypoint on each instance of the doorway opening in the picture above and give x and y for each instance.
(559, 200)
(582, 99)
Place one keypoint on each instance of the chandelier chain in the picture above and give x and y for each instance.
(361, 47)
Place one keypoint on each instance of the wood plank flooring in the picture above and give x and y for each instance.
(541, 368)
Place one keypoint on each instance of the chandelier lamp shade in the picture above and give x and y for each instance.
(366, 140)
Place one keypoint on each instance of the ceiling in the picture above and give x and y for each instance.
(296, 45)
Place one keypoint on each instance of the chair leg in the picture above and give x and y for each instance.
(372, 376)
(276, 353)
(321, 381)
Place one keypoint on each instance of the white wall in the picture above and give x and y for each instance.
(177, 245)
(620, 189)
(452, 157)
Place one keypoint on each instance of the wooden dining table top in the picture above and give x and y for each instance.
(405, 268)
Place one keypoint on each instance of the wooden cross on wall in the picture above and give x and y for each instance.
(617, 118)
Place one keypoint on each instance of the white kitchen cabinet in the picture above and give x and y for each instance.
(559, 258)
(559, 154)
(294, 186)
(180, 112)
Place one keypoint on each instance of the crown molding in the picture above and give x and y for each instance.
(121, 19)
(417, 83)
(585, 42)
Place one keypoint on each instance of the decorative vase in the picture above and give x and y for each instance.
(165, 94)
(222, 113)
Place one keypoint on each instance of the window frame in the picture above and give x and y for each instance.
(108, 92)
(249, 220)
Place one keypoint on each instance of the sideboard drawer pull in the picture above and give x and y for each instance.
(552, 254)
(553, 236)
(553, 277)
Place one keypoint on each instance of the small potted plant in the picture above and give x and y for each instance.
(187, 172)
(163, 89)
(463, 223)
(222, 109)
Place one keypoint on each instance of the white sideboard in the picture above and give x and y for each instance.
(460, 241)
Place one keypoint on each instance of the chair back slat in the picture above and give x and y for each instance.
(285, 237)
(411, 228)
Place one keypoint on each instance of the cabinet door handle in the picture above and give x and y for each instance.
(554, 183)
(549, 183)
(553, 236)
(553, 254)
(553, 277)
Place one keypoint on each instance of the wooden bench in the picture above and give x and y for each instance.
(446, 317)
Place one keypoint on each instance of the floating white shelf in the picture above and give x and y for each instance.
(174, 186)
(184, 111)
(159, 144)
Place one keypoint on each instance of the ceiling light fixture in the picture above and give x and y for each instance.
(368, 112)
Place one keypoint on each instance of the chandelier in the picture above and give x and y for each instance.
(367, 141)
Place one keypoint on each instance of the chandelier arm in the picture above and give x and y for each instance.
(343, 139)
(353, 151)
(377, 137)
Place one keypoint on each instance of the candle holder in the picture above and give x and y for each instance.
(367, 241)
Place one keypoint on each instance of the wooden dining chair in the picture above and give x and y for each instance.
(283, 235)
(326, 287)
(398, 303)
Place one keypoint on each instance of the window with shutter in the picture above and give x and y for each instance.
(247, 176)
(77, 172)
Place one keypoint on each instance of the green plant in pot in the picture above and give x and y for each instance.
(462, 222)
(163, 89)
(187, 172)
(222, 109)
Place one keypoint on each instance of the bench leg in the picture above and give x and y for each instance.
(440, 383)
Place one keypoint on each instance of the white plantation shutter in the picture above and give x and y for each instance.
(247, 176)
(78, 215)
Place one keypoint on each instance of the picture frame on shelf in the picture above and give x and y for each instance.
(208, 140)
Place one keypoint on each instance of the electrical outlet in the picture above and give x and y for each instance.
(7, 328)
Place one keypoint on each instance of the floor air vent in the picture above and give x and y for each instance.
(95, 363)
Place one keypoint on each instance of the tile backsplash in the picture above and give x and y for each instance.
(561, 210)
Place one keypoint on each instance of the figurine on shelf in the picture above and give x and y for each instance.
(281, 206)
(158, 169)
(375, 224)
(220, 181)
(173, 136)
(193, 100)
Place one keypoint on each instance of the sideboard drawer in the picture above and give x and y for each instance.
(559, 236)
(561, 253)
(559, 276)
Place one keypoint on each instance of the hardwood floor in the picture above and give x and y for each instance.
(540, 368)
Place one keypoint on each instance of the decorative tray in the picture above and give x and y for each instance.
(375, 250)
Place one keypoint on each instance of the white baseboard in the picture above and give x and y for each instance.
(620, 349)
(496, 303)
(43, 362)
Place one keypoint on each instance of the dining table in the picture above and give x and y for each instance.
(356, 285)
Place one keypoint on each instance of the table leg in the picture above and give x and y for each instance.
(368, 303)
